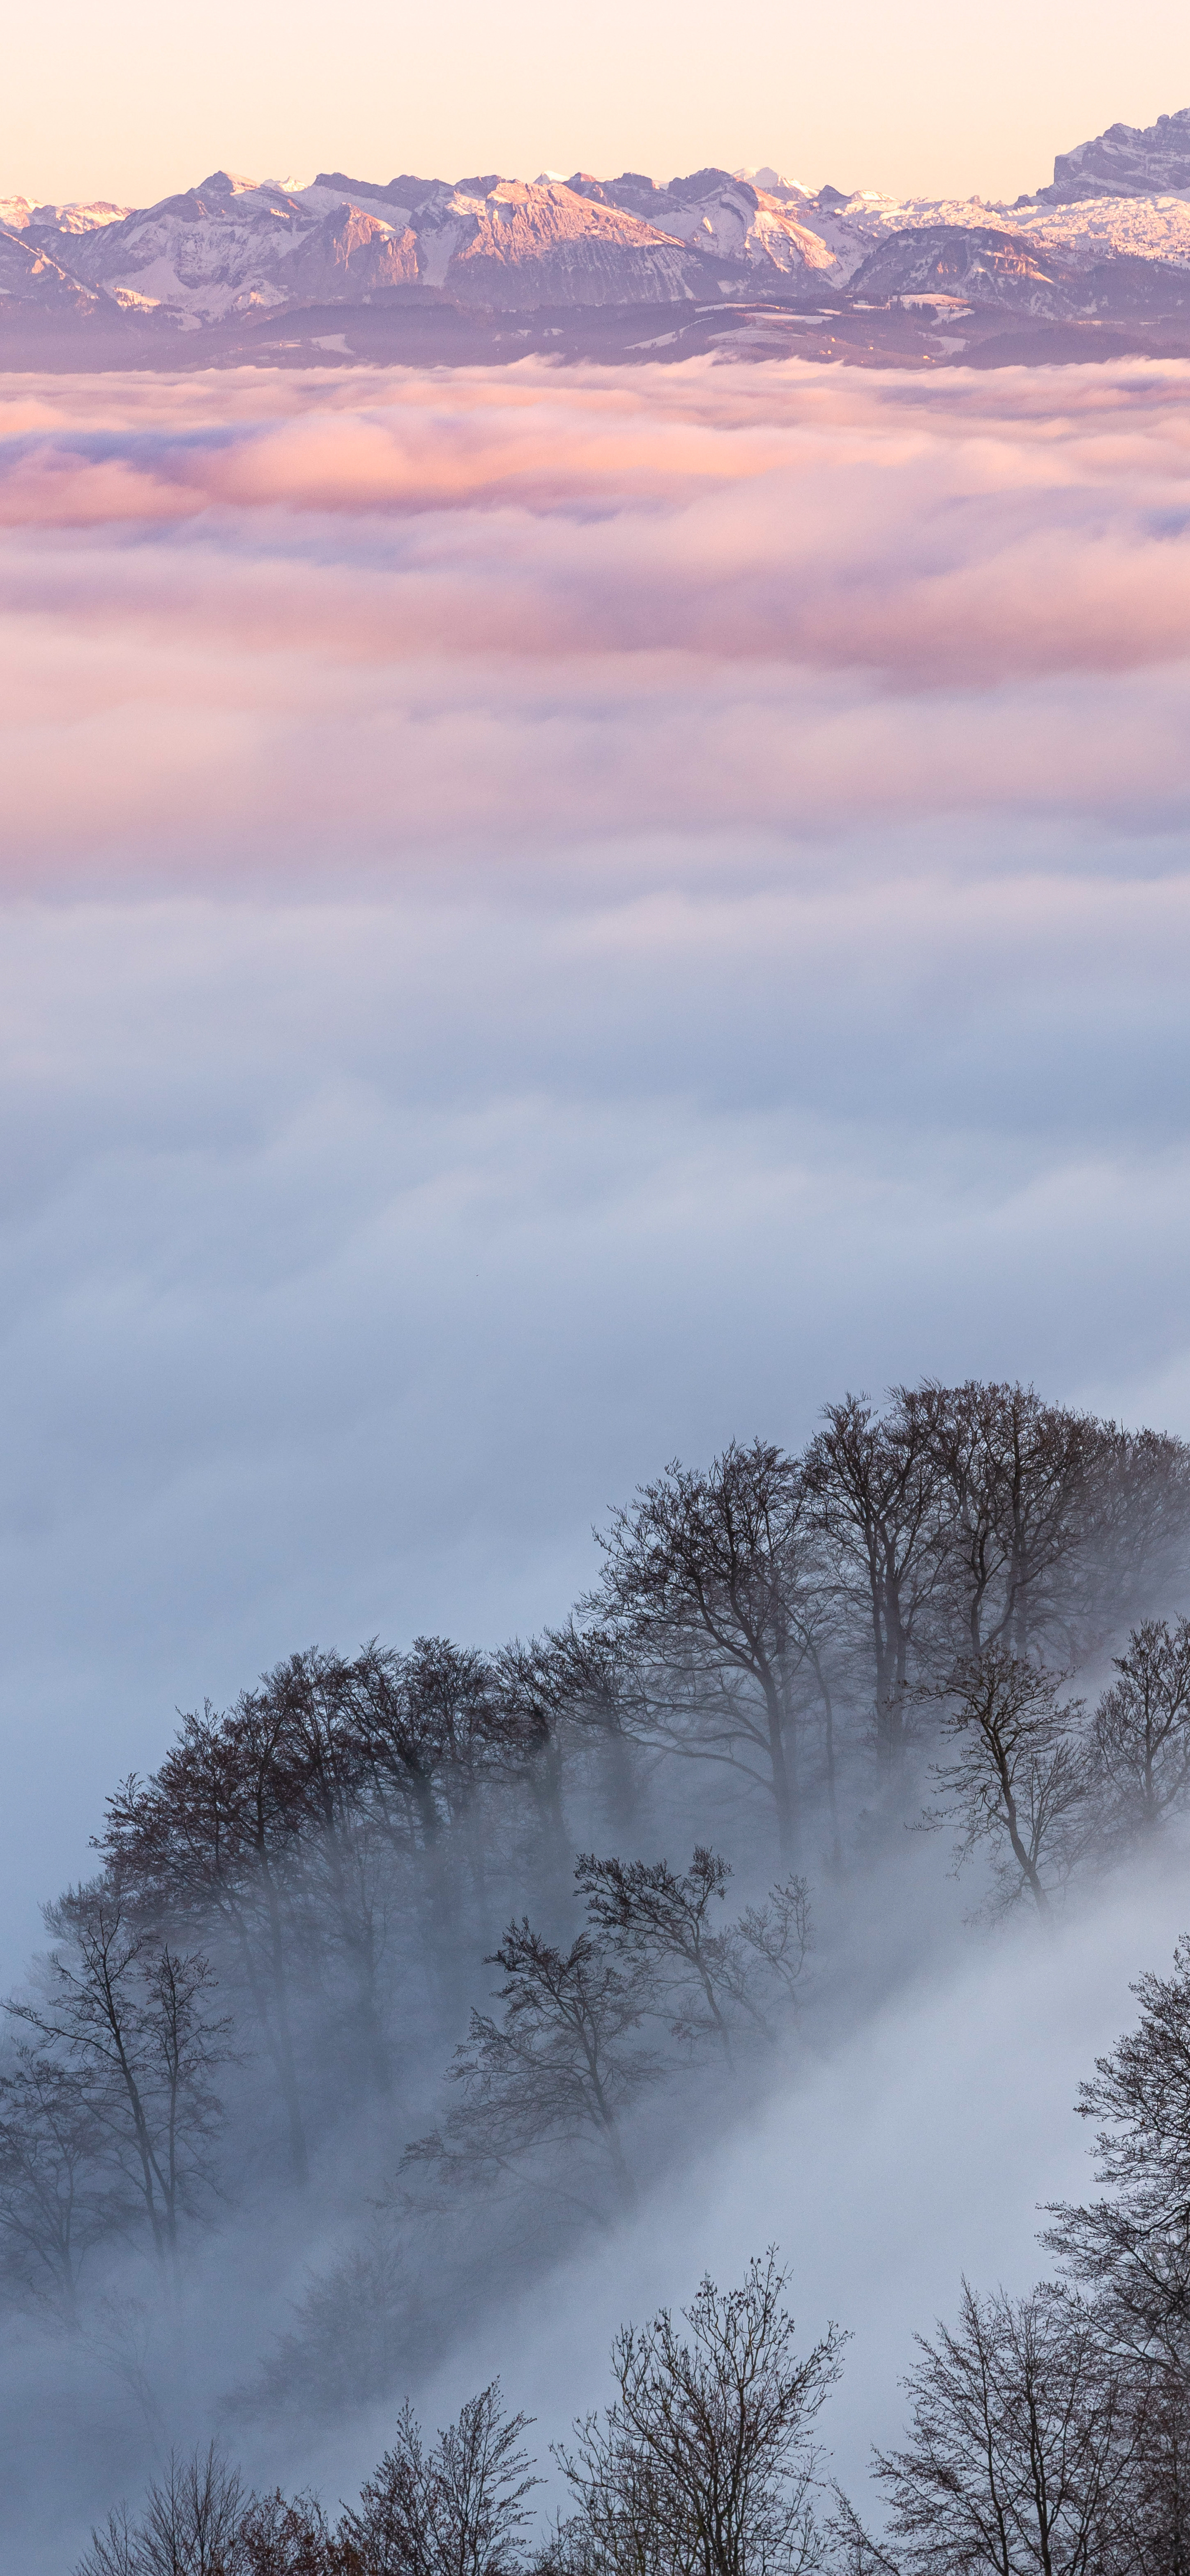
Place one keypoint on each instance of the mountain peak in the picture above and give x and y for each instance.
(1125, 161)
(226, 183)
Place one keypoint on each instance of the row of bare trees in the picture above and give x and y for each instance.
(292, 1909)
(739, 1605)
(703, 2464)
(1052, 2433)
(577, 2039)
(110, 2118)
(1046, 2436)
(1040, 1784)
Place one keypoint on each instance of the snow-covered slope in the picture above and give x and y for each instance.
(1103, 228)
(73, 218)
(722, 215)
(230, 246)
(1078, 236)
(513, 243)
(29, 275)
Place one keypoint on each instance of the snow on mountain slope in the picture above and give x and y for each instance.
(79, 218)
(1125, 161)
(787, 191)
(1097, 228)
(235, 246)
(719, 215)
(1078, 237)
(521, 243)
(516, 243)
(230, 245)
(29, 275)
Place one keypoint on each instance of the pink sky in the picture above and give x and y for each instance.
(131, 102)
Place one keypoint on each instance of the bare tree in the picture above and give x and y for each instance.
(56, 2188)
(1134, 1555)
(454, 1687)
(1021, 2446)
(1133, 2244)
(854, 2552)
(774, 1938)
(191, 2526)
(557, 2070)
(585, 1667)
(1141, 1735)
(1018, 1481)
(198, 2520)
(531, 1701)
(1158, 2511)
(400, 1739)
(117, 2003)
(702, 1582)
(1016, 1780)
(704, 2461)
(345, 1884)
(708, 1977)
(625, 2525)
(349, 2340)
(289, 2536)
(211, 1840)
(876, 1489)
(444, 1733)
(457, 2509)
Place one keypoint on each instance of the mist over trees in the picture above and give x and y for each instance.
(1046, 2433)
(421, 1956)
(704, 2461)
(1052, 2432)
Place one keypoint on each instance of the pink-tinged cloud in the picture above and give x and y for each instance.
(551, 917)
(257, 622)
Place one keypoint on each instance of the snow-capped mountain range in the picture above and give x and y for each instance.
(1109, 238)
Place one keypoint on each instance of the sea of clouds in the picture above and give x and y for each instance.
(551, 916)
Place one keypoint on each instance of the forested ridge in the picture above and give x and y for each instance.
(439, 1940)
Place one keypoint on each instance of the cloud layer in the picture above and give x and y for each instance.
(279, 624)
(551, 916)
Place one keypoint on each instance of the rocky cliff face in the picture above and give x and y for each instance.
(1125, 161)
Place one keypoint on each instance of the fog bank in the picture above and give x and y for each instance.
(549, 921)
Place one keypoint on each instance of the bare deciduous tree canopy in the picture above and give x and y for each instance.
(709, 1975)
(1015, 1773)
(705, 2460)
(1020, 2446)
(251, 2007)
(559, 2067)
